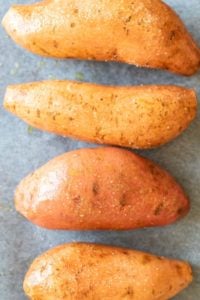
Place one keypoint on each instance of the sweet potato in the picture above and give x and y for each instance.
(103, 188)
(88, 271)
(146, 33)
(137, 117)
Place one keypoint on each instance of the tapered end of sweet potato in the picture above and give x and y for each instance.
(9, 99)
(12, 22)
(18, 24)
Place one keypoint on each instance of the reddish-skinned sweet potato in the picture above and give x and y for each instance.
(96, 272)
(136, 117)
(103, 188)
(146, 33)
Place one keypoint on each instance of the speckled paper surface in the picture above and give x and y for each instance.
(23, 149)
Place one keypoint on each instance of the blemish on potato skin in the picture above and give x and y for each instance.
(77, 199)
(128, 19)
(125, 252)
(146, 259)
(55, 44)
(179, 270)
(154, 170)
(172, 35)
(180, 211)
(129, 291)
(95, 188)
(158, 209)
(14, 107)
(121, 137)
(159, 257)
(43, 50)
(123, 201)
(72, 25)
(114, 54)
(38, 113)
(54, 116)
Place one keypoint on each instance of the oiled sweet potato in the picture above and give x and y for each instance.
(88, 271)
(142, 32)
(105, 188)
(137, 116)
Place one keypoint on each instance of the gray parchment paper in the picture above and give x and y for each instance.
(22, 150)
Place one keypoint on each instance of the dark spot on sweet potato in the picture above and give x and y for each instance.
(55, 44)
(153, 292)
(154, 170)
(121, 137)
(159, 257)
(94, 108)
(128, 19)
(95, 188)
(38, 113)
(85, 293)
(72, 25)
(126, 30)
(158, 209)
(125, 252)
(102, 137)
(114, 54)
(179, 270)
(77, 199)
(130, 291)
(44, 51)
(180, 129)
(76, 10)
(172, 35)
(28, 111)
(103, 254)
(170, 287)
(123, 201)
(71, 119)
(180, 211)
(146, 259)
(98, 132)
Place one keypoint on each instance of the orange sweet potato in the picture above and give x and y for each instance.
(105, 188)
(137, 117)
(87, 271)
(142, 32)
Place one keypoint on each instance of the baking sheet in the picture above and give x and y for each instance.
(23, 149)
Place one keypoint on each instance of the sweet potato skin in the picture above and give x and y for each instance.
(137, 117)
(143, 32)
(102, 188)
(89, 271)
